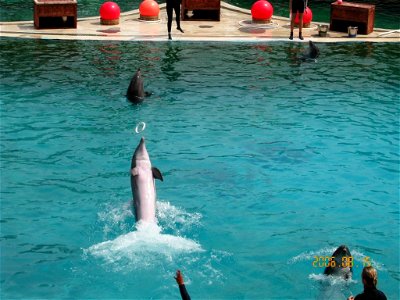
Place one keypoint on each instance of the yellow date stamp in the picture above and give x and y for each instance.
(344, 262)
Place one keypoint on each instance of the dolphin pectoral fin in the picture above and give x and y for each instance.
(134, 172)
(156, 173)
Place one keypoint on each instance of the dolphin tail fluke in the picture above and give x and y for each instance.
(156, 173)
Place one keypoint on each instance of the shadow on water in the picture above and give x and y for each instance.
(292, 53)
(359, 49)
(170, 59)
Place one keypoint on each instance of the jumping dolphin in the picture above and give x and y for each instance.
(343, 262)
(143, 186)
(312, 52)
(135, 92)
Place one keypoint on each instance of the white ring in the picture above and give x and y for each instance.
(140, 127)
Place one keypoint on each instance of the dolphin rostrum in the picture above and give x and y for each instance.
(343, 263)
(143, 186)
(312, 52)
(135, 92)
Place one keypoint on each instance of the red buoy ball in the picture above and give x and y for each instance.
(262, 10)
(149, 10)
(109, 11)
(307, 17)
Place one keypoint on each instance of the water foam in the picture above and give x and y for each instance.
(143, 247)
(176, 219)
(359, 256)
(331, 280)
(146, 246)
(116, 219)
(309, 255)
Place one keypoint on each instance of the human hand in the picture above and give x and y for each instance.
(179, 277)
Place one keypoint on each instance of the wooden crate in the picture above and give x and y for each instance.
(50, 13)
(352, 14)
(205, 9)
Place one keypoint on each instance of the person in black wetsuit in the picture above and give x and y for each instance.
(370, 280)
(182, 288)
(294, 7)
(176, 6)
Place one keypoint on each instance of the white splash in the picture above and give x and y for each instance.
(144, 246)
(115, 218)
(309, 255)
(176, 219)
(360, 257)
(331, 280)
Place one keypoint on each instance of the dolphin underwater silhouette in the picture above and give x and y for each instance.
(135, 92)
(143, 186)
(343, 263)
(311, 53)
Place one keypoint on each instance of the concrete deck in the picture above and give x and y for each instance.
(235, 25)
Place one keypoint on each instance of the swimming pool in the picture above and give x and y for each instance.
(267, 162)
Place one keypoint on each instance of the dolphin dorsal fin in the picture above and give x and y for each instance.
(156, 173)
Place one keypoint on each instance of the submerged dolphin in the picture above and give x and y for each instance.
(343, 262)
(135, 92)
(312, 52)
(143, 186)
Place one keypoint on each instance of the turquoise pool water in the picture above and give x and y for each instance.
(386, 12)
(267, 162)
